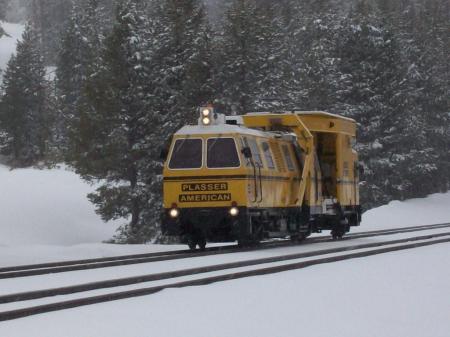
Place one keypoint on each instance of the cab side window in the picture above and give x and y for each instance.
(298, 156)
(244, 143)
(256, 154)
(288, 158)
(268, 155)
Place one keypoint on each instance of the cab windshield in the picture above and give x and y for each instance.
(186, 154)
(222, 153)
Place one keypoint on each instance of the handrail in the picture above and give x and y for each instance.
(254, 179)
(260, 184)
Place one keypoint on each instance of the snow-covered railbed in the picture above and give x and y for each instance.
(8, 286)
(85, 264)
(401, 295)
(65, 302)
(291, 264)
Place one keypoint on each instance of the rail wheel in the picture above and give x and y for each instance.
(192, 242)
(337, 234)
(300, 237)
(251, 233)
(202, 243)
(196, 238)
(339, 231)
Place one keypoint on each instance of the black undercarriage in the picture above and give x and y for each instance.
(196, 226)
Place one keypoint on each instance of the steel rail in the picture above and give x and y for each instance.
(46, 308)
(67, 266)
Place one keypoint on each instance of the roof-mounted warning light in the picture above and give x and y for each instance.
(208, 116)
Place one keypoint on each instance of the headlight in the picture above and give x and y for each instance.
(174, 213)
(206, 121)
(206, 112)
(234, 211)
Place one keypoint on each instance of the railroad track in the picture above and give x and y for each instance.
(86, 264)
(232, 271)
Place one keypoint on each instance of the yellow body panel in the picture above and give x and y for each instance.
(199, 188)
(325, 122)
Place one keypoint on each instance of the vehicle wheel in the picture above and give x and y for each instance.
(295, 238)
(192, 243)
(202, 244)
(242, 243)
(337, 234)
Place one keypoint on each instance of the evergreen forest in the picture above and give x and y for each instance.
(101, 85)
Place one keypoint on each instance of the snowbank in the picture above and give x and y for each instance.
(48, 207)
(8, 44)
(434, 209)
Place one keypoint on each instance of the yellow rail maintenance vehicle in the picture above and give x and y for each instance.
(261, 175)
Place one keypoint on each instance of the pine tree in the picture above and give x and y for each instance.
(24, 114)
(248, 65)
(77, 60)
(421, 32)
(50, 18)
(112, 135)
(182, 60)
(312, 38)
(432, 36)
(372, 91)
(152, 74)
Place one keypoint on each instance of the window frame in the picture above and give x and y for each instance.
(260, 153)
(287, 154)
(186, 169)
(222, 168)
(269, 150)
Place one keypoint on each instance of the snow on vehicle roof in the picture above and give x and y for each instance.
(221, 129)
(323, 113)
(305, 113)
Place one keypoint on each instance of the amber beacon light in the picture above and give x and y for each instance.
(206, 114)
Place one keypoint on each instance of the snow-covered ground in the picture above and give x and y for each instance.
(47, 208)
(8, 44)
(402, 294)
(434, 209)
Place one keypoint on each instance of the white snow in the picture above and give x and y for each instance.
(434, 209)
(376, 145)
(403, 294)
(8, 44)
(50, 73)
(87, 276)
(47, 207)
(218, 129)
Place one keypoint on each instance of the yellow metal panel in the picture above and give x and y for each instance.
(329, 124)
